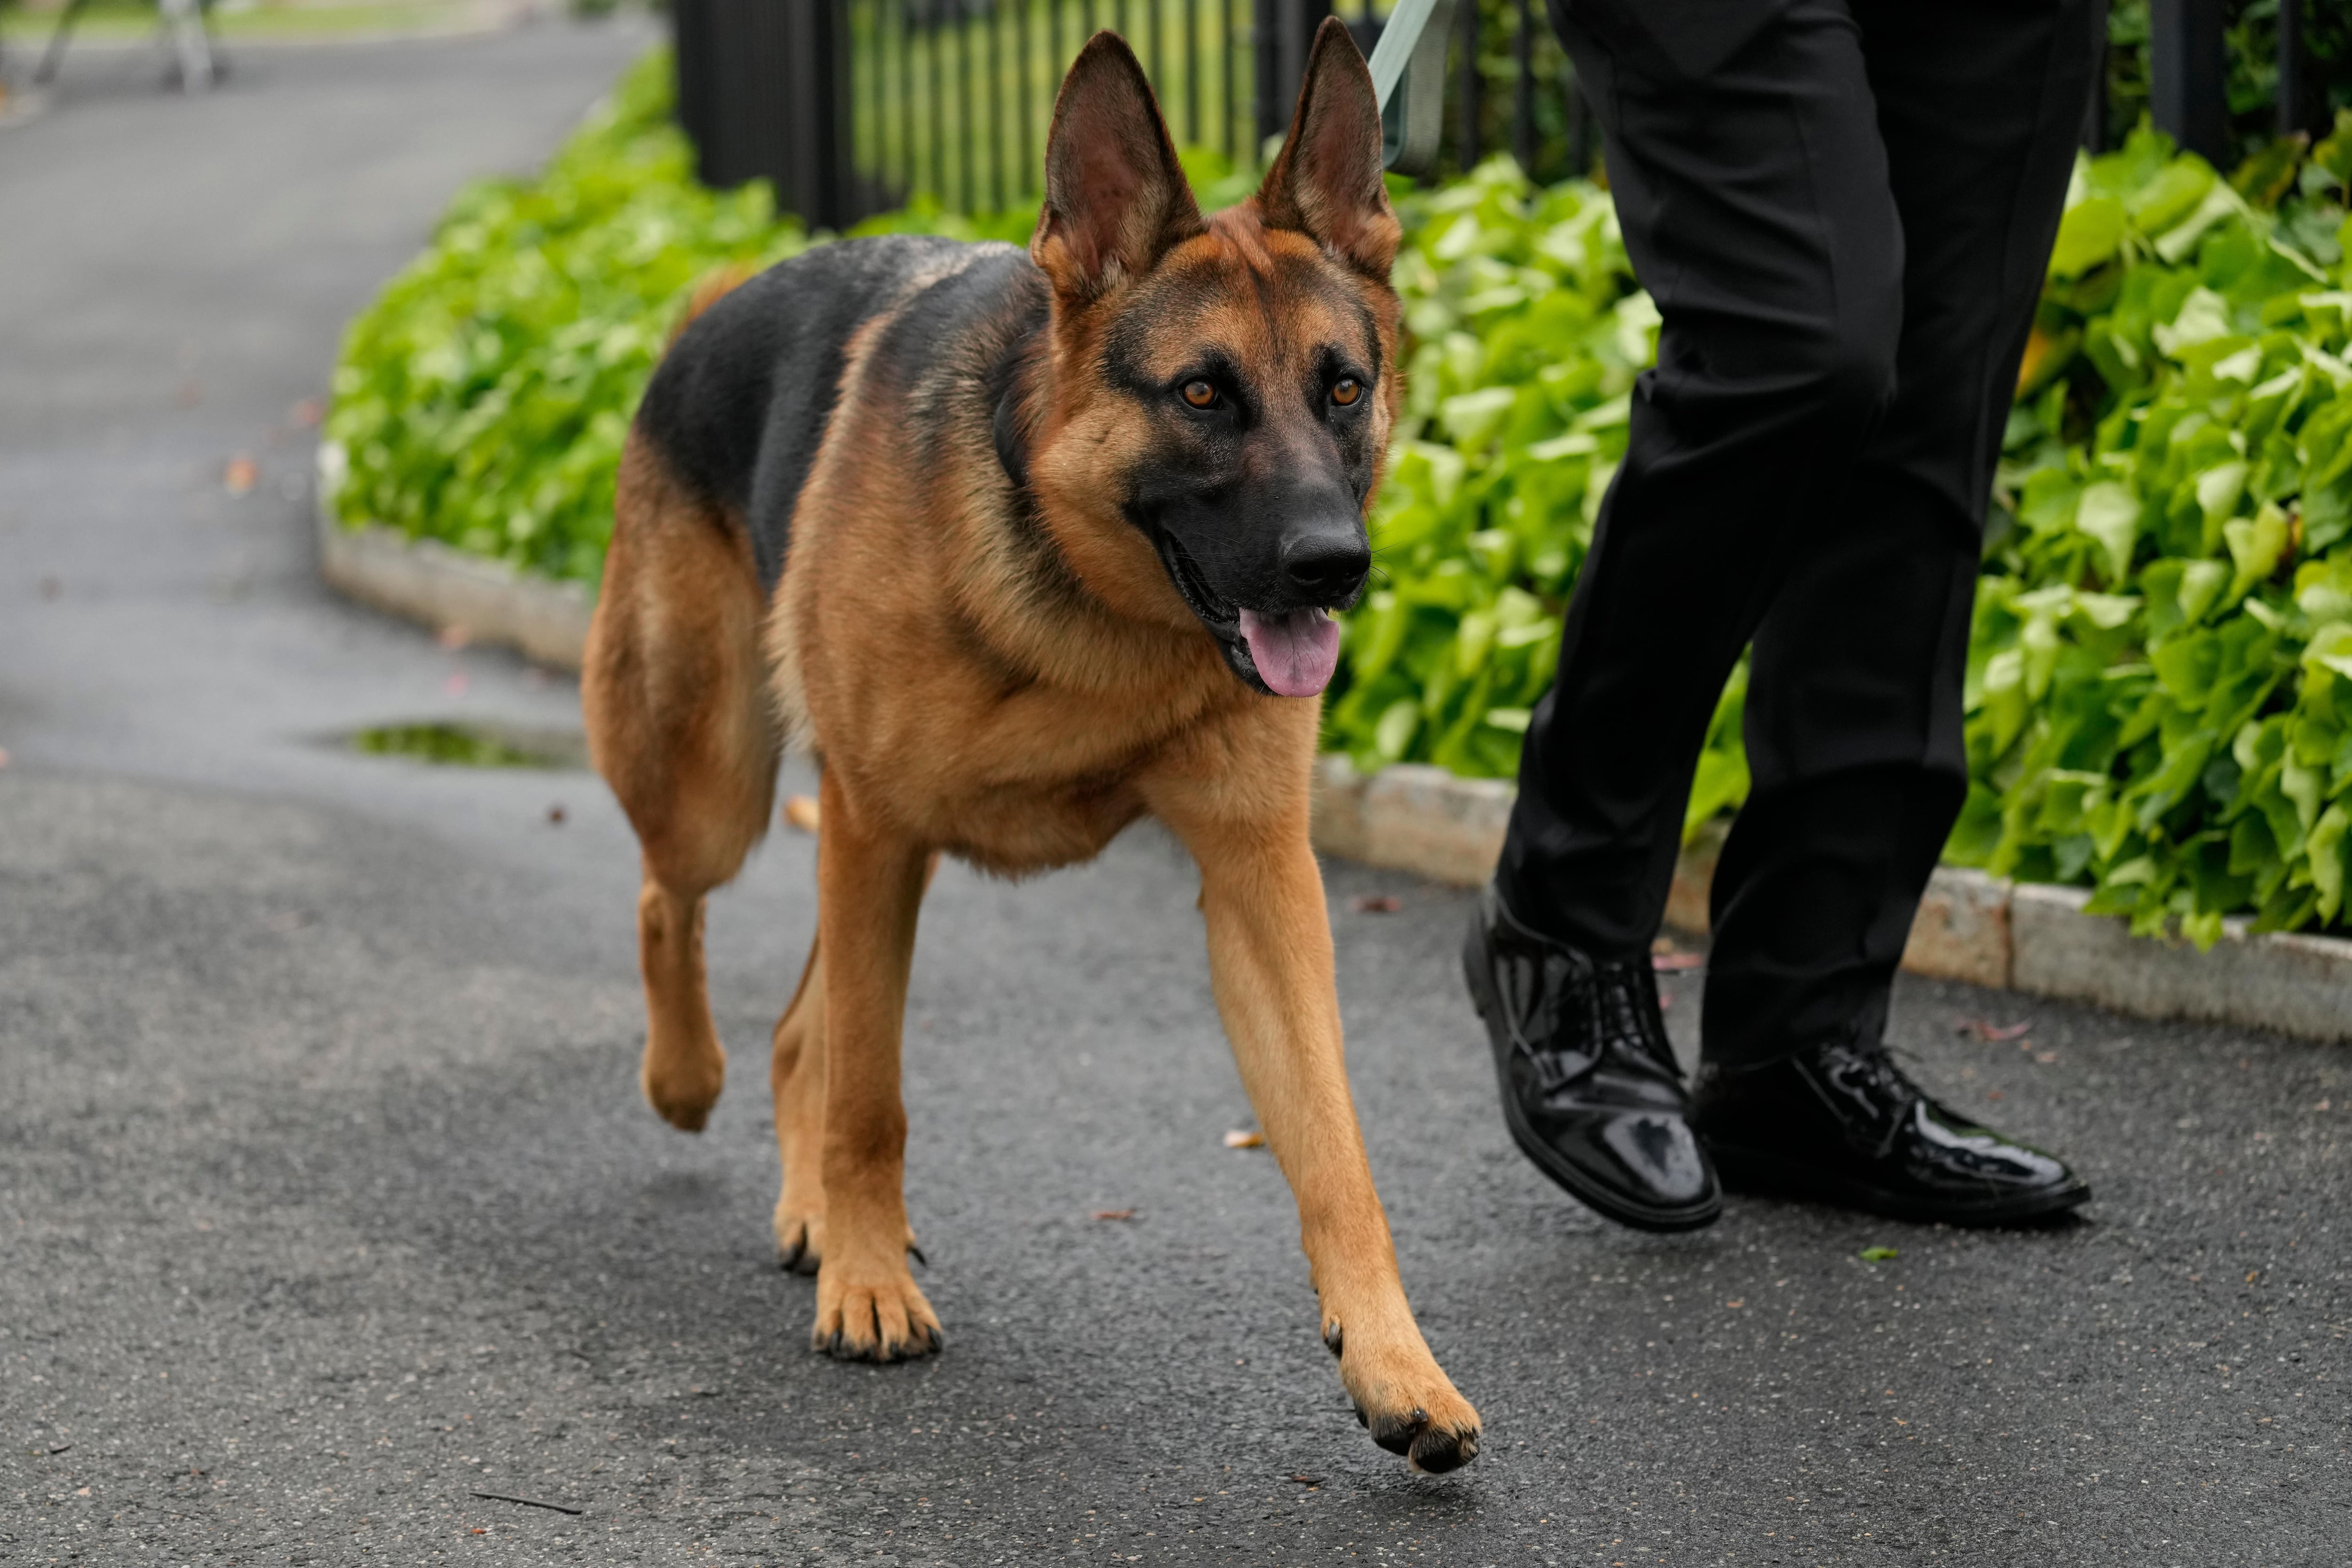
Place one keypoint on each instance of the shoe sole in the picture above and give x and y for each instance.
(1768, 1176)
(1570, 1180)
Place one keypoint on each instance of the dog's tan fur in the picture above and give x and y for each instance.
(1035, 698)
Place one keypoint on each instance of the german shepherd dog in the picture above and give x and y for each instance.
(1024, 546)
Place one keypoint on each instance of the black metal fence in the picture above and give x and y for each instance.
(857, 106)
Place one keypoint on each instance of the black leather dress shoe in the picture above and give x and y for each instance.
(1590, 1092)
(1838, 1122)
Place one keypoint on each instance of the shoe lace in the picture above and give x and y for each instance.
(1866, 1073)
(1618, 1010)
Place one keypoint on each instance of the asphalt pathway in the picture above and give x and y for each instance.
(328, 1203)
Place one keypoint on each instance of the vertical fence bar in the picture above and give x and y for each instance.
(965, 150)
(1028, 105)
(993, 21)
(1466, 151)
(2293, 115)
(938, 170)
(2186, 74)
(906, 9)
(1523, 97)
(1192, 71)
(1228, 46)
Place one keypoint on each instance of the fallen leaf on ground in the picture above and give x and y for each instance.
(454, 638)
(1308, 1480)
(240, 474)
(800, 810)
(555, 813)
(2046, 1058)
(1736, 1304)
(1376, 904)
(1239, 1139)
(1995, 1094)
(1876, 1254)
(1674, 962)
(1987, 1031)
(1114, 1214)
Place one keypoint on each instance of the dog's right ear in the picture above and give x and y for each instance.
(1116, 200)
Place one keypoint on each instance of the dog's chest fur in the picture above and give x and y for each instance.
(928, 633)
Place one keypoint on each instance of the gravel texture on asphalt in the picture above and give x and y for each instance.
(328, 1203)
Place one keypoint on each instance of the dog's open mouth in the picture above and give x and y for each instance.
(1283, 653)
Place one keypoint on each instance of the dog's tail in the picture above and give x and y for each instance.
(712, 287)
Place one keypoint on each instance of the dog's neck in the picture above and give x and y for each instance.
(1016, 384)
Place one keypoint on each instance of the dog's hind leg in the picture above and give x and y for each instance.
(674, 698)
(870, 882)
(797, 1074)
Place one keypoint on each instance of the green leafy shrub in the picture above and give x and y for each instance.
(483, 396)
(2159, 689)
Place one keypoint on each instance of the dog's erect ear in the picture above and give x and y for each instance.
(1116, 198)
(1327, 183)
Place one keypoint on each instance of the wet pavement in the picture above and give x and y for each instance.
(328, 1203)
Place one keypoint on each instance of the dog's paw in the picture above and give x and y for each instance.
(800, 1236)
(873, 1314)
(1409, 1406)
(682, 1081)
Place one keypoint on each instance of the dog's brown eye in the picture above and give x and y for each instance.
(1347, 390)
(1199, 392)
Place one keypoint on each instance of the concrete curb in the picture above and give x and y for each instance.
(1423, 820)
(425, 580)
(1970, 927)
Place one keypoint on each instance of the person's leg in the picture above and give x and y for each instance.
(1743, 153)
(1853, 718)
(1854, 706)
(1744, 158)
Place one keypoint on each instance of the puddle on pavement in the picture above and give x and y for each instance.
(474, 744)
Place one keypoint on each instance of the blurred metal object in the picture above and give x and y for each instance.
(1409, 74)
(2188, 75)
(762, 89)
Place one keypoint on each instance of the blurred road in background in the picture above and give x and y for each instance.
(328, 1202)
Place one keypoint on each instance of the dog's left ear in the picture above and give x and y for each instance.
(1326, 183)
(1116, 199)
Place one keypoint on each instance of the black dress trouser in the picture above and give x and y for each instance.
(1844, 209)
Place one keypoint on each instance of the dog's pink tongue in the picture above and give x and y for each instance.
(1296, 653)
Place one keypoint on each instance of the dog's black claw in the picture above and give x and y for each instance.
(1362, 1419)
(936, 1338)
(1334, 1337)
(1438, 1452)
(790, 1261)
(917, 1254)
(1396, 1434)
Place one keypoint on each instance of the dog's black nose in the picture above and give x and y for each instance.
(1326, 568)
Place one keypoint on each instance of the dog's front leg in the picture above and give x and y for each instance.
(869, 887)
(1270, 958)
